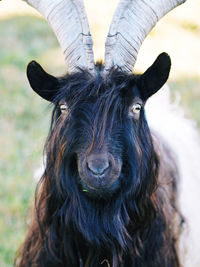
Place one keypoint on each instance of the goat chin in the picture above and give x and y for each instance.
(180, 133)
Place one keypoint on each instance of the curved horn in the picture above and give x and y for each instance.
(69, 22)
(132, 21)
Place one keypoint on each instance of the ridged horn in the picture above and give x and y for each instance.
(69, 22)
(131, 23)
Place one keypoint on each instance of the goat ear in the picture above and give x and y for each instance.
(41, 82)
(155, 76)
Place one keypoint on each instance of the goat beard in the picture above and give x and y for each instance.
(69, 225)
(117, 224)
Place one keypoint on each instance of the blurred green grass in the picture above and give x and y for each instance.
(189, 90)
(24, 121)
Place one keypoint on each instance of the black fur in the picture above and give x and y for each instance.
(130, 223)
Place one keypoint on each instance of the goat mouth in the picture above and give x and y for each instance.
(102, 192)
(102, 182)
(101, 185)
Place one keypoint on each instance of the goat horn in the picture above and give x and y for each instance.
(69, 22)
(132, 21)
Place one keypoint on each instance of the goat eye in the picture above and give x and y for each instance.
(136, 108)
(63, 108)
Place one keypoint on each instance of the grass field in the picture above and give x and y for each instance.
(24, 120)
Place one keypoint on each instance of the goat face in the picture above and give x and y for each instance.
(99, 135)
(93, 123)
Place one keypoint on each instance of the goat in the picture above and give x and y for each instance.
(108, 195)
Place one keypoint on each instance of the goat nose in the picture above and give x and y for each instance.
(98, 166)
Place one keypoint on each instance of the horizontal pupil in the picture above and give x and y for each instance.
(63, 107)
(137, 108)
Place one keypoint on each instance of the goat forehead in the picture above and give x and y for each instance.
(96, 121)
(99, 102)
(99, 110)
(92, 95)
(81, 86)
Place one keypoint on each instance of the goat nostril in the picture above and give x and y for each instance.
(97, 167)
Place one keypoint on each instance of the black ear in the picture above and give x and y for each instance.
(41, 82)
(155, 76)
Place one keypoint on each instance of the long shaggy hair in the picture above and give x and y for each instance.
(132, 222)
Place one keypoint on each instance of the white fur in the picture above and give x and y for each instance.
(182, 136)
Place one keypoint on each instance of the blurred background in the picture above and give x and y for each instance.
(25, 118)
